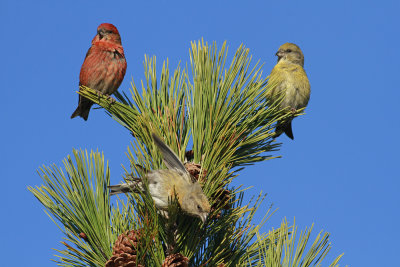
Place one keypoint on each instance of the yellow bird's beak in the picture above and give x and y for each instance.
(280, 53)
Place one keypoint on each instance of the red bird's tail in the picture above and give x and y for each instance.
(83, 108)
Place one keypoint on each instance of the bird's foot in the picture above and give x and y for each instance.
(99, 94)
(111, 99)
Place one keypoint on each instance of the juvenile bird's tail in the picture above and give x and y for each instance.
(125, 188)
(83, 108)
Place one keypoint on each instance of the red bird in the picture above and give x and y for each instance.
(104, 66)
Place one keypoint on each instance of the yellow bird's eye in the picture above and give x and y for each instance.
(289, 50)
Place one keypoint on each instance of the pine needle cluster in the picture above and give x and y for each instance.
(214, 115)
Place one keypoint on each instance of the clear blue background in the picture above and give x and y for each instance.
(341, 171)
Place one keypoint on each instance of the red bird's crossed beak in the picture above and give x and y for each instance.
(100, 33)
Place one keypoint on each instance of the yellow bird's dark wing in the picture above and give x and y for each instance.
(170, 159)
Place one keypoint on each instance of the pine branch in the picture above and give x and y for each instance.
(280, 248)
(79, 199)
(224, 113)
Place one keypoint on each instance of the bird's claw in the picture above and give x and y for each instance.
(99, 94)
(111, 99)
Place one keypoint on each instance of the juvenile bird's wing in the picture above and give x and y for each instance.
(170, 159)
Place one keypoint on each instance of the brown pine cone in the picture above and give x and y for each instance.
(176, 260)
(222, 197)
(194, 169)
(122, 260)
(126, 243)
(124, 250)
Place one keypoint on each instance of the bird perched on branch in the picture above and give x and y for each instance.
(104, 66)
(291, 80)
(166, 183)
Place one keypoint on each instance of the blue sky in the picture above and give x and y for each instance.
(341, 171)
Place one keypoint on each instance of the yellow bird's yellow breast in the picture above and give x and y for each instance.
(292, 80)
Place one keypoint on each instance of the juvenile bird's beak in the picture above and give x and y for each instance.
(280, 54)
(203, 216)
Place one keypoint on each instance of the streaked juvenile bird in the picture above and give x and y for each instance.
(165, 183)
(104, 66)
(290, 79)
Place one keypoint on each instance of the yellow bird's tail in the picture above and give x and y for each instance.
(284, 127)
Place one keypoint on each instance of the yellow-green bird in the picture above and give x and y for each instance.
(164, 184)
(290, 79)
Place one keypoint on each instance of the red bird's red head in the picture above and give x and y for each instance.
(106, 32)
(107, 27)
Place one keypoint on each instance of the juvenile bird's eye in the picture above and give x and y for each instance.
(289, 50)
(198, 207)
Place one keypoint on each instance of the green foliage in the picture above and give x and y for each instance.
(222, 112)
(280, 248)
(79, 200)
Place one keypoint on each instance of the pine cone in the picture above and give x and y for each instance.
(223, 196)
(126, 243)
(123, 260)
(176, 260)
(194, 169)
(124, 250)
